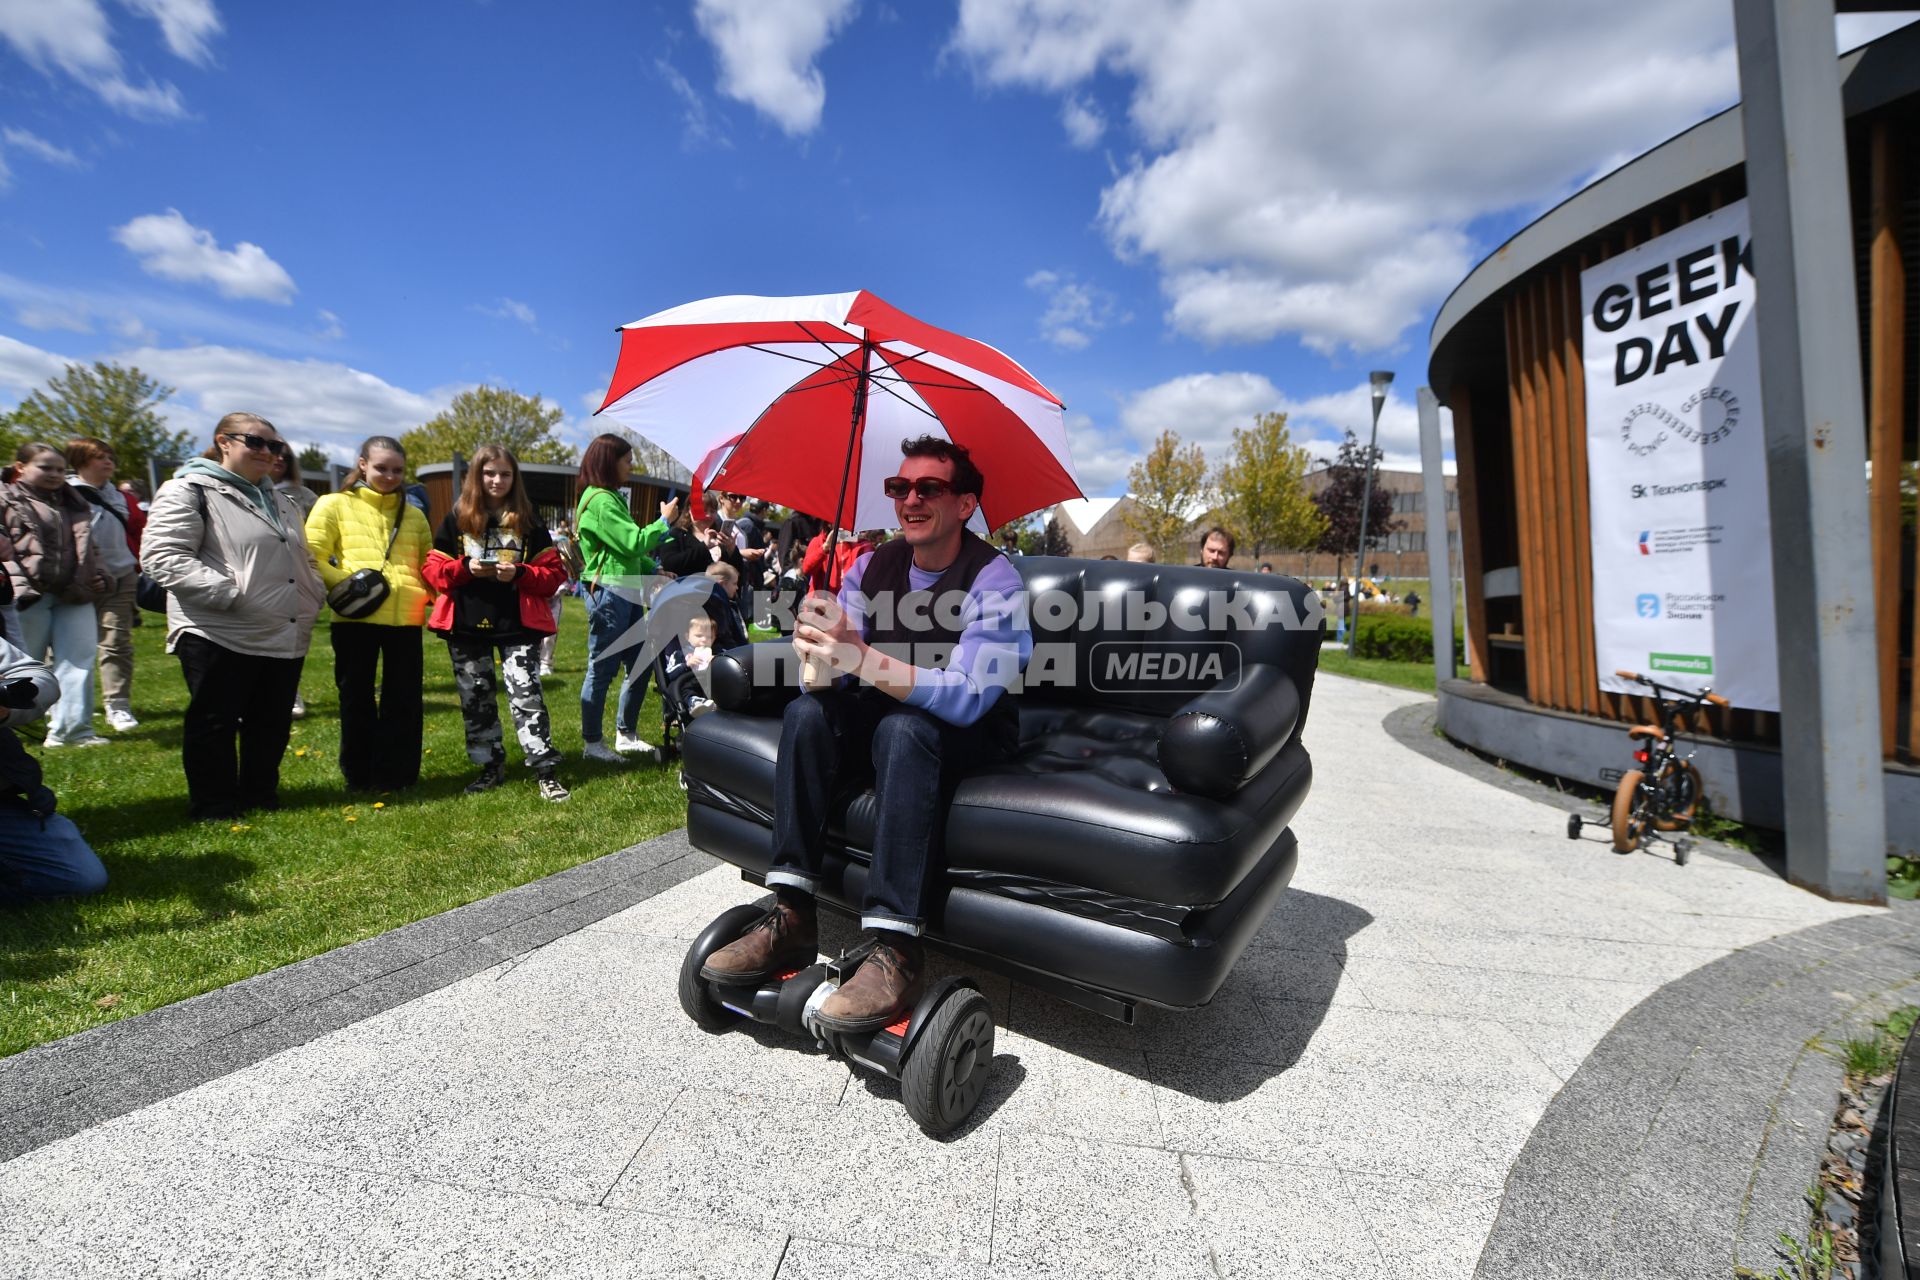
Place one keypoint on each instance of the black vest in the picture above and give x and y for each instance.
(911, 625)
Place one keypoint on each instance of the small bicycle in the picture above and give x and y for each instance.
(1663, 793)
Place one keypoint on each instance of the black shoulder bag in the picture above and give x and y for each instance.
(367, 589)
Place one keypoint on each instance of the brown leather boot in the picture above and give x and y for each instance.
(883, 989)
(786, 938)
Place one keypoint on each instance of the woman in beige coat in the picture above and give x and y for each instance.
(242, 594)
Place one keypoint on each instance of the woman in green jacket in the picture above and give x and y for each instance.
(379, 736)
(614, 550)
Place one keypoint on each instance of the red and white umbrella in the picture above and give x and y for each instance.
(816, 393)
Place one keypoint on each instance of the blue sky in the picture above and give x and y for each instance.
(1177, 213)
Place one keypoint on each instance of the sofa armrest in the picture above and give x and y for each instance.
(759, 679)
(1222, 739)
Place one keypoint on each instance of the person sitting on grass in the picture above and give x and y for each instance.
(496, 569)
(42, 854)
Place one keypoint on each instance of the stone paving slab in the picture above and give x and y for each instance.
(1364, 1093)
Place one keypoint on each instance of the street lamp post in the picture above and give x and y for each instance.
(1379, 379)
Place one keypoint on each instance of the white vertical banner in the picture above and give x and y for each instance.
(1676, 466)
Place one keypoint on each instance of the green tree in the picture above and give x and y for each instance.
(314, 460)
(489, 415)
(1167, 486)
(1261, 494)
(1053, 540)
(108, 402)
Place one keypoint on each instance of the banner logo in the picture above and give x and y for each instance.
(1647, 606)
(1693, 664)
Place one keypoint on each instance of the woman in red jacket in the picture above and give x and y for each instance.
(496, 570)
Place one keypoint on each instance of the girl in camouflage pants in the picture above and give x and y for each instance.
(496, 569)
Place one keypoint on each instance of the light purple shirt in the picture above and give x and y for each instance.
(995, 640)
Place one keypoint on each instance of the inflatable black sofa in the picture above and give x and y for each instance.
(1138, 839)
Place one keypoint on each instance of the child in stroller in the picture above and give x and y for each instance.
(692, 619)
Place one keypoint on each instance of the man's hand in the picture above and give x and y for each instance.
(823, 633)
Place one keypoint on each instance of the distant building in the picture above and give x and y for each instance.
(1098, 527)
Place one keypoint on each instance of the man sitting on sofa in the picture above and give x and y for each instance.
(920, 701)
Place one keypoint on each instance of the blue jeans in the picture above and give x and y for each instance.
(44, 860)
(72, 632)
(839, 735)
(616, 638)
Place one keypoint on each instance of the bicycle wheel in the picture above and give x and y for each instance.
(1629, 824)
(1683, 797)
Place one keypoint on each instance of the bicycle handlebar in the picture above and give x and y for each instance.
(1702, 696)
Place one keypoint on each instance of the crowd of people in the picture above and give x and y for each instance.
(243, 557)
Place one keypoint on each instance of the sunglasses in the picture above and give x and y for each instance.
(275, 447)
(898, 487)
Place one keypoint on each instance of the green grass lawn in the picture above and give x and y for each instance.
(195, 906)
(1407, 675)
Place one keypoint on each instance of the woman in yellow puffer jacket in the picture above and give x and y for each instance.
(349, 531)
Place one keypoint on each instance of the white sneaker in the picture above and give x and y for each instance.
(120, 720)
(546, 669)
(601, 751)
(627, 742)
(299, 707)
(89, 739)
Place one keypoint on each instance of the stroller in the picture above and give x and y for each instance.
(674, 606)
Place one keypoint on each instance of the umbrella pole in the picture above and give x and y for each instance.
(811, 674)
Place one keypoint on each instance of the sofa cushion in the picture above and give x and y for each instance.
(1084, 802)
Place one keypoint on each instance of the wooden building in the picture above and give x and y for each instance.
(1507, 360)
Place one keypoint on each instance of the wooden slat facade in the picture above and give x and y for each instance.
(1545, 437)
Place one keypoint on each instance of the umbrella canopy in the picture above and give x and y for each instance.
(816, 393)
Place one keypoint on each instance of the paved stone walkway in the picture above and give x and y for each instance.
(1353, 1104)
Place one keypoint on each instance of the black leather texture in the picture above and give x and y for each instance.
(1223, 739)
(1017, 937)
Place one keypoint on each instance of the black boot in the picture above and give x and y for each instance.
(490, 777)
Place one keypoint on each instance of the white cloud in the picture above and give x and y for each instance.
(76, 38)
(25, 368)
(134, 329)
(698, 126)
(330, 330)
(172, 248)
(187, 25)
(1854, 29)
(1313, 171)
(766, 54)
(39, 148)
(312, 401)
(1083, 122)
(139, 317)
(1206, 408)
(509, 309)
(74, 321)
(1075, 310)
(1100, 462)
